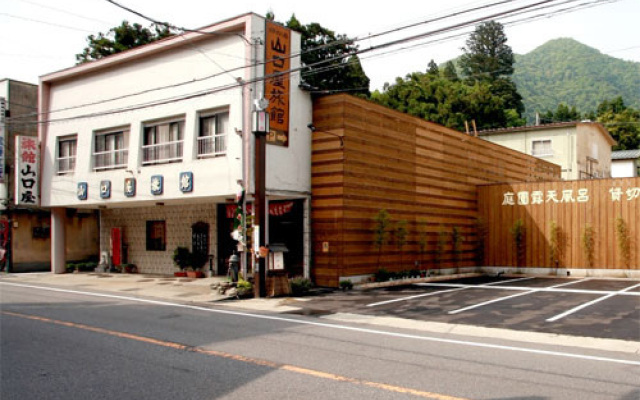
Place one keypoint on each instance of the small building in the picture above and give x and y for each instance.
(25, 228)
(582, 149)
(625, 164)
(159, 140)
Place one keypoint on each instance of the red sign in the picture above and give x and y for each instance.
(275, 209)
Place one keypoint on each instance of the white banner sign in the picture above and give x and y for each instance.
(27, 172)
(3, 112)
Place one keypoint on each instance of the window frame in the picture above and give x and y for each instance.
(154, 243)
(70, 158)
(214, 142)
(548, 150)
(157, 151)
(118, 151)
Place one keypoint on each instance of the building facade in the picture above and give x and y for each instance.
(625, 164)
(25, 228)
(582, 149)
(159, 140)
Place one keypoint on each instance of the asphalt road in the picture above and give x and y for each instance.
(61, 345)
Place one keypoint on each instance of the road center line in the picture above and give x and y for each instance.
(514, 296)
(237, 357)
(417, 296)
(585, 305)
(338, 326)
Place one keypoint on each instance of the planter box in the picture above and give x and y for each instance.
(195, 274)
(180, 274)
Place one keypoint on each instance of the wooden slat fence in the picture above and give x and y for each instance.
(366, 158)
(572, 206)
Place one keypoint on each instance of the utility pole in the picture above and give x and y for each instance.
(260, 129)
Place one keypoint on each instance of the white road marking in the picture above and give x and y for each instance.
(585, 305)
(513, 296)
(416, 296)
(344, 327)
(527, 288)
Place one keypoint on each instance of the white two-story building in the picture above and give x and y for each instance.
(159, 139)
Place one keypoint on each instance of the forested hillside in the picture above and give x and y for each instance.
(569, 72)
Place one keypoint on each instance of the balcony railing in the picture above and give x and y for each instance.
(162, 153)
(212, 146)
(111, 159)
(66, 165)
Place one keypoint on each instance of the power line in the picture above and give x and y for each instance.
(64, 11)
(73, 28)
(384, 45)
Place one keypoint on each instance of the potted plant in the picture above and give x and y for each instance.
(244, 288)
(182, 259)
(194, 273)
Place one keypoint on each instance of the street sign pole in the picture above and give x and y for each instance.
(260, 129)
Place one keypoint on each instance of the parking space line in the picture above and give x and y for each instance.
(585, 305)
(527, 288)
(416, 296)
(484, 303)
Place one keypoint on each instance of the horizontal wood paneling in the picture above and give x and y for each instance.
(599, 211)
(419, 171)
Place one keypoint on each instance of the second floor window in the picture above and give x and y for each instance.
(110, 150)
(66, 159)
(540, 148)
(163, 142)
(212, 135)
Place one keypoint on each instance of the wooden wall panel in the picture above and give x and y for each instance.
(600, 211)
(418, 171)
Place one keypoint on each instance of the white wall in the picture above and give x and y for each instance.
(623, 169)
(133, 84)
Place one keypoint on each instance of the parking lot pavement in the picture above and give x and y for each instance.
(592, 307)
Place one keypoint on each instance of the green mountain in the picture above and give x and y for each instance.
(567, 71)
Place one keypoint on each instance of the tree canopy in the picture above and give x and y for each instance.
(622, 122)
(330, 59)
(123, 37)
(485, 94)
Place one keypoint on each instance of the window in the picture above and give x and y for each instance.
(111, 150)
(540, 148)
(67, 154)
(163, 142)
(156, 238)
(212, 136)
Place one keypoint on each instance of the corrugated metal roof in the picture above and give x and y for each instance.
(625, 154)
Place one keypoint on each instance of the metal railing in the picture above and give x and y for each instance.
(111, 159)
(212, 146)
(162, 152)
(66, 165)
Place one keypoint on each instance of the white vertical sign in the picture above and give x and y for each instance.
(3, 112)
(27, 172)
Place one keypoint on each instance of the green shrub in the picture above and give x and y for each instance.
(383, 275)
(346, 284)
(300, 286)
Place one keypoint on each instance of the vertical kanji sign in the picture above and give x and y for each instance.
(277, 57)
(27, 171)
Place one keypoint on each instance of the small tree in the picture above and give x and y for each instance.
(381, 236)
(588, 244)
(456, 245)
(182, 257)
(422, 238)
(400, 235)
(440, 244)
(622, 232)
(481, 230)
(554, 244)
(518, 234)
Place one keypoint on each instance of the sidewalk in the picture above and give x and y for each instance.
(183, 290)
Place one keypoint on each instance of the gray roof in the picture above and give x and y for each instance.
(625, 154)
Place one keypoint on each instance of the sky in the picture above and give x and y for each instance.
(43, 36)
